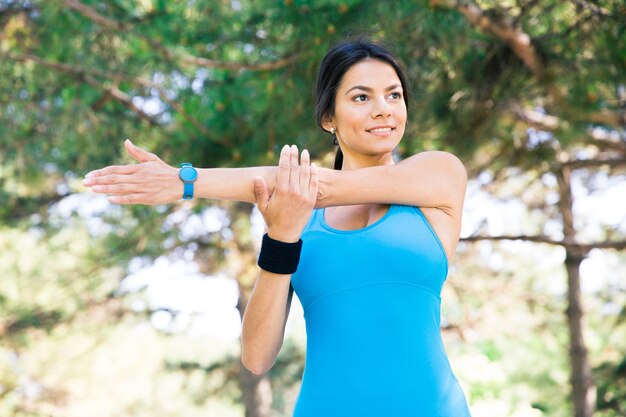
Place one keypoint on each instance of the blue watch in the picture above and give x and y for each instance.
(188, 175)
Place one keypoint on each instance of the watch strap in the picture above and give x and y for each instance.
(188, 191)
(187, 185)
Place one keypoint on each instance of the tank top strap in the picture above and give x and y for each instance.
(314, 222)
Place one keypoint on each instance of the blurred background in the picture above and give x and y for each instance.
(135, 311)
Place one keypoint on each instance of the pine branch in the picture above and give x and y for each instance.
(595, 9)
(77, 70)
(93, 15)
(537, 119)
(90, 75)
(550, 123)
(8, 8)
(185, 59)
(519, 41)
(522, 46)
(577, 246)
(609, 118)
(607, 139)
(526, 238)
(593, 163)
(570, 29)
(122, 98)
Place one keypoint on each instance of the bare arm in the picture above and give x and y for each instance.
(428, 179)
(264, 321)
(152, 181)
(232, 183)
(286, 213)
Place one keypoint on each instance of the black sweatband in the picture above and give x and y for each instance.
(279, 257)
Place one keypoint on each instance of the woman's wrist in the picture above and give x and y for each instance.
(279, 257)
(284, 235)
(232, 184)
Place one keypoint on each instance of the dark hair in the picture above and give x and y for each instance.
(336, 63)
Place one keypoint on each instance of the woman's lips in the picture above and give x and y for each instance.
(381, 131)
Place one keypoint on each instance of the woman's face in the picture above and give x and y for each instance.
(370, 112)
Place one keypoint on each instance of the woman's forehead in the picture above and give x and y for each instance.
(370, 73)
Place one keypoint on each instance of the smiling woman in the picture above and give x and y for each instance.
(368, 120)
(365, 246)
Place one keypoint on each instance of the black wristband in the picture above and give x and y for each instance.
(279, 257)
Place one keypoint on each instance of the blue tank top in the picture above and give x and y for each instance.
(371, 300)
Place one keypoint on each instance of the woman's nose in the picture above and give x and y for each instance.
(381, 108)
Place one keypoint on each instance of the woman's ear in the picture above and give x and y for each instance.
(327, 124)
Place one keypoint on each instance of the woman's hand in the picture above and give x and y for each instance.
(151, 181)
(288, 209)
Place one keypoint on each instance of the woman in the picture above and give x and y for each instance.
(377, 236)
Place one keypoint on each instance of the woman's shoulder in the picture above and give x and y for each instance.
(437, 162)
(436, 156)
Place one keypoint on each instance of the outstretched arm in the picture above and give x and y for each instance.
(152, 181)
(427, 179)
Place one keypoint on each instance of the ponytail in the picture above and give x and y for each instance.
(338, 160)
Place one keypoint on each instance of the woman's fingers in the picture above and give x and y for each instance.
(128, 199)
(293, 175)
(305, 160)
(261, 193)
(313, 182)
(113, 169)
(282, 178)
(136, 152)
(108, 180)
(139, 154)
(118, 189)
(294, 171)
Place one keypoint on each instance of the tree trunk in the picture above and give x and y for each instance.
(256, 392)
(583, 388)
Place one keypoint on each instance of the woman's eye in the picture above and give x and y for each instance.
(360, 97)
(395, 95)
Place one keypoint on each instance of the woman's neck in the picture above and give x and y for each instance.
(365, 161)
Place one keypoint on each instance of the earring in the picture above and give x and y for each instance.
(332, 130)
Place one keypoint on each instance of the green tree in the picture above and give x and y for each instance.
(517, 88)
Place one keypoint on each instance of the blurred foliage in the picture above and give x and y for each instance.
(227, 83)
(612, 377)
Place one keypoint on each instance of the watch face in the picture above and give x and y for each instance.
(188, 174)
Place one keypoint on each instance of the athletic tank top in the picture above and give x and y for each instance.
(371, 300)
